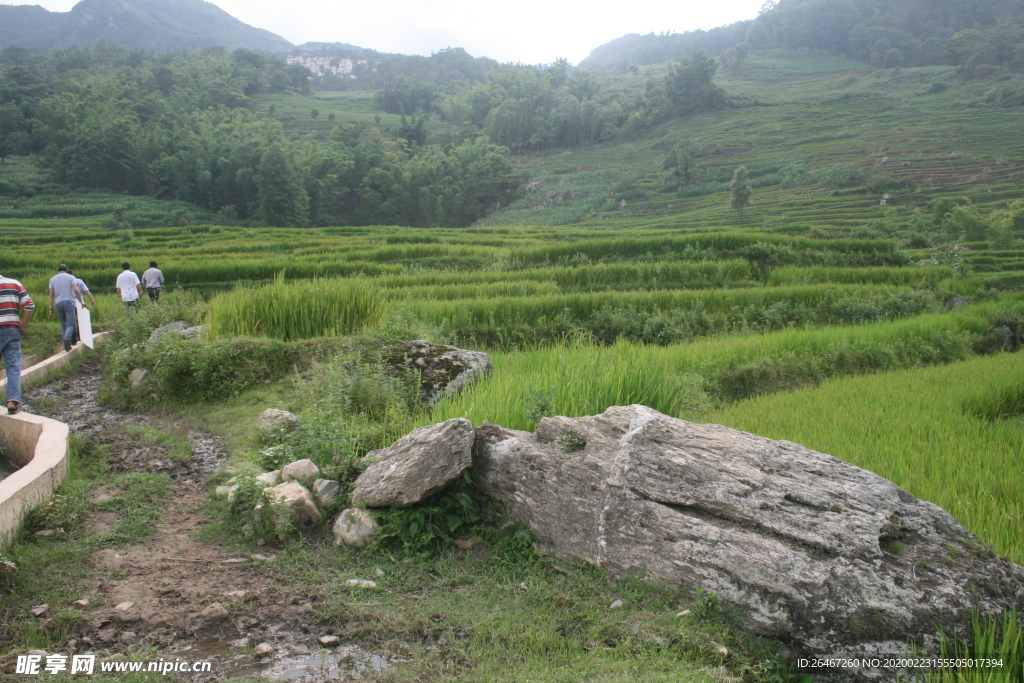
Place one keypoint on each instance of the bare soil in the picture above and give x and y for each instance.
(185, 597)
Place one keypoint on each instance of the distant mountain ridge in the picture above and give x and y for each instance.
(152, 25)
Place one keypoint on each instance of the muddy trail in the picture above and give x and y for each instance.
(188, 599)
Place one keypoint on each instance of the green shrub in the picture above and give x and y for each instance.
(432, 523)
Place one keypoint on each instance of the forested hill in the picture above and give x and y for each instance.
(886, 33)
(152, 25)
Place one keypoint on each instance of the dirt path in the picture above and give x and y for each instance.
(187, 598)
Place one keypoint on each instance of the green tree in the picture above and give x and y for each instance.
(740, 190)
(679, 163)
(282, 199)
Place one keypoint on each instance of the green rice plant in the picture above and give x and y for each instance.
(907, 426)
(913, 276)
(994, 640)
(303, 310)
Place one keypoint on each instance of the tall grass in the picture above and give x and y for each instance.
(579, 379)
(300, 310)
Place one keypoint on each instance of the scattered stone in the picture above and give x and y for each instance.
(176, 326)
(326, 491)
(41, 653)
(299, 500)
(137, 377)
(361, 583)
(40, 610)
(416, 466)
(127, 636)
(329, 641)
(192, 332)
(354, 527)
(443, 370)
(226, 492)
(124, 606)
(236, 595)
(273, 419)
(241, 642)
(264, 558)
(263, 650)
(829, 557)
(84, 602)
(302, 471)
(464, 543)
(49, 532)
(378, 571)
(615, 605)
(683, 613)
(269, 478)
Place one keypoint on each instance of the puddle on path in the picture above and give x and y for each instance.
(289, 663)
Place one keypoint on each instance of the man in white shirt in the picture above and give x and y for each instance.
(129, 289)
(153, 279)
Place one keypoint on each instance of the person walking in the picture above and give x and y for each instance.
(153, 279)
(129, 289)
(16, 308)
(63, 294)
(83, 289)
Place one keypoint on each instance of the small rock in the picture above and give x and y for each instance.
(264, 558)
(273, 419)
(464, 543)
(956, 301)
(269, 478)
(298, 499)
(326, 491)
(329, 641)
(523, 585)
(361, 583)
(226, 492)
(214, 612)
(40, 610)
(263, 650)
(49, 532)
(354, 527)
(84, 602)
(107, 635)
(615, 605)
(124, 606)
(683, 613)
(378, 571)
(241, 642)
(41, 653)
(236, 595)
(302, 471)
(192, 332)
(137, 377)
(127, 636)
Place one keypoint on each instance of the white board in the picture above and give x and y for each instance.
(84, 324)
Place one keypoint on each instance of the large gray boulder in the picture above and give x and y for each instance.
(176, 326)
(826, 556)
(443, 370)
(416, 466)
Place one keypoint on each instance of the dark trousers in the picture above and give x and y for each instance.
(154, 293)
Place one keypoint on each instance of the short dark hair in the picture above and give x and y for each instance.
(62, 268)
(152, 264)
(126, 266)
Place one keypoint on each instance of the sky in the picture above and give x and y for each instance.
(528, 31)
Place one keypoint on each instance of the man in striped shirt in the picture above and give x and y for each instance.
(16, 308)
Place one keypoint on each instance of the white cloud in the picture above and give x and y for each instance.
(530, 31)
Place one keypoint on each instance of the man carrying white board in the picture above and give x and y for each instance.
(129, 289)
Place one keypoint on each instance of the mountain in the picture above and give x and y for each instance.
(152, 25)
(886, 33)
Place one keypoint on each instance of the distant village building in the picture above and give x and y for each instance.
(321, 66)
